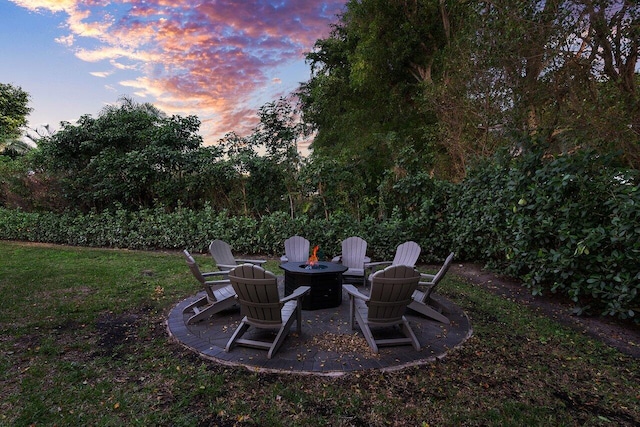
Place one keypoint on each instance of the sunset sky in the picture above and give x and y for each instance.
(220, 60)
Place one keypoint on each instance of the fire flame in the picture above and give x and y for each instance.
(313, 259)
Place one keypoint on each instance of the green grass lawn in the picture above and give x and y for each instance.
(83, 342)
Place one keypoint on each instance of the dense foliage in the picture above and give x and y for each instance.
(451, 79)
(14, 109)
(566, 224)
(506, 131)
(131, 155)
(194, 229)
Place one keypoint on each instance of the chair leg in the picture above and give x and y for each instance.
(408, 332)
(282, 334)
(210, 310)
(370, 340)
(197, 303)
(352, 309)
(237, 334)
(429, 312)
(299, 316)
(368, 335)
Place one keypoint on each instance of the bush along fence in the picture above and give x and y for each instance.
(568, 225)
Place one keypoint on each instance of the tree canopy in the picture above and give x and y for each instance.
(14, 109)
(401, 93)
(363, 99)
(453, 81)
(131, 155)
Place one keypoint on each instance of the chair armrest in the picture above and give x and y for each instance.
(351, 290)
(223, 273)
(373, 267)
(222, 282)
(299, 292)
(376, 264)
(226, 267)
(426, 279)
(251, 261)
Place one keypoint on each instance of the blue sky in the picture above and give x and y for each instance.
(219, 60)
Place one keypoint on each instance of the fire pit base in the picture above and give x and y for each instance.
(325, 281)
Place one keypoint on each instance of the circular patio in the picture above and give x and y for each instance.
(327, 345)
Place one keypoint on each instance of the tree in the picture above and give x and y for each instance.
(267, 162)
(564, 71)
(131, 155)
(279, 132)
(452, 81)
(14, 110)
(365, 97)
(331, 187)
(613, 40)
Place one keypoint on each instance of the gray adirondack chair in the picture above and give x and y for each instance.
(422, 301)
(296, 249)
(391, 291)
(222, 255)
(219, 294)
(354, 257)
(406, 254)
(257, 293)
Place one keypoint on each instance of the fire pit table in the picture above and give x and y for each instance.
(324, 278)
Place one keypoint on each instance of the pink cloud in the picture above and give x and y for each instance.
(210, 58)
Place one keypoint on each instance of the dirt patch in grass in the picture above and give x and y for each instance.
(114, 331)
(117, 333)
(624, 336)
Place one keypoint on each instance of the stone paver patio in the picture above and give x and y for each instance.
(327, 346)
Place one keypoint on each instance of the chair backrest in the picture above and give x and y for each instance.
(257, 291)
(193, 266)
(354, 249)
(440, 274)
(296, 249)
(195, 270)
(391, 291)
(407, 254)
(221, 253)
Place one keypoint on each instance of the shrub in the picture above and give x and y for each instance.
(567, 225)
(477, 213)
(575, 231)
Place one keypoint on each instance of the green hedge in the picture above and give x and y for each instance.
(158, 228)
(567, 225)
(576, 225)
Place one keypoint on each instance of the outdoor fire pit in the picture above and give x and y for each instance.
(324, 278)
